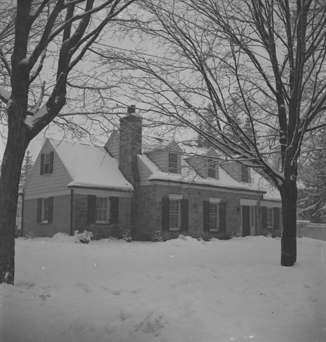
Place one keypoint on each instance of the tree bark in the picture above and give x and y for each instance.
(17, 143)
(289, 219)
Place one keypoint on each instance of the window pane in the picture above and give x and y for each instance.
(47, 163)
(213, 216)
(101, 209)
(45, 210)
(173, 162)
(174, 214)
(212, 168)
(244, 173)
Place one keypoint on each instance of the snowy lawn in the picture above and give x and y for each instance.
(174, 291)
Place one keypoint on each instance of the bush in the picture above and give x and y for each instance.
(84, 237)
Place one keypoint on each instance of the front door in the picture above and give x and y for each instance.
(245, 212)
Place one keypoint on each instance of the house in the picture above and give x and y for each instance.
(151, 191)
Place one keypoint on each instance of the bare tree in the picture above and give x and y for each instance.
(259, 66)
(56, 32)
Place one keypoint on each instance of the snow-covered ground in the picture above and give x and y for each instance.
(174, 291)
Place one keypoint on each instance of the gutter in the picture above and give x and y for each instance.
(99, 188)
(71, 212)
(206, 185)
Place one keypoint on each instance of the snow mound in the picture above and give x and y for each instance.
(183, 290)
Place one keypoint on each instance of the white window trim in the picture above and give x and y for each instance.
(175, 197)
(248, 202)
(269, 204)
(214, 200)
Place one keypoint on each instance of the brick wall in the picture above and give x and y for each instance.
(149, 209)
(61, 218)
(130, 146)
(101, 230)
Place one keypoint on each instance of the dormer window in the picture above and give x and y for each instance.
(46, 165)
(245, 174)
(212, 168)
(173, 162)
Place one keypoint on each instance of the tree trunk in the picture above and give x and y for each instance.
(17, 143)
(289, 219)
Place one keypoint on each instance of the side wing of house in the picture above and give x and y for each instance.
(194, 203)
(47, 197)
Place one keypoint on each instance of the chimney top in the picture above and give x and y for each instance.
(131, 109)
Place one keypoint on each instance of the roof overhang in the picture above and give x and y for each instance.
(206, 186)
(100, 190)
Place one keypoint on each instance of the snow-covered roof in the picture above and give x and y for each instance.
(90, 166)
(189, 175)
(271, 192)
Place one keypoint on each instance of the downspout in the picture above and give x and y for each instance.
(71, 212)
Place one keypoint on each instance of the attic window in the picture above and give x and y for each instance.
(245, 174)
(46, 165)
(212, 168)
(173, 162)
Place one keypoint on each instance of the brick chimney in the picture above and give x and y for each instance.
(130, 144)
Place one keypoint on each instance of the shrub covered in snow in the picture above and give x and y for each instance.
(83, 237)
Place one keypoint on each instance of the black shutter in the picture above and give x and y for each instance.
(264, 217)
(165, 213)
(39, 210)
(51, 161)
(91, 209)
(50, 209)
(114, 209)
(184, 215)
(42, 164)
(206, 216)
(222, 213)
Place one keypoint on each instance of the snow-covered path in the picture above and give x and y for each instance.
(174, 291)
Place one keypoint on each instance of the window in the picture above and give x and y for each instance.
(245, 174)
(212, 168)
(173, 162)
(45, 210)
(46, 165)
(269, 218)
(174, 214)
(213, 217)
(102, 209)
